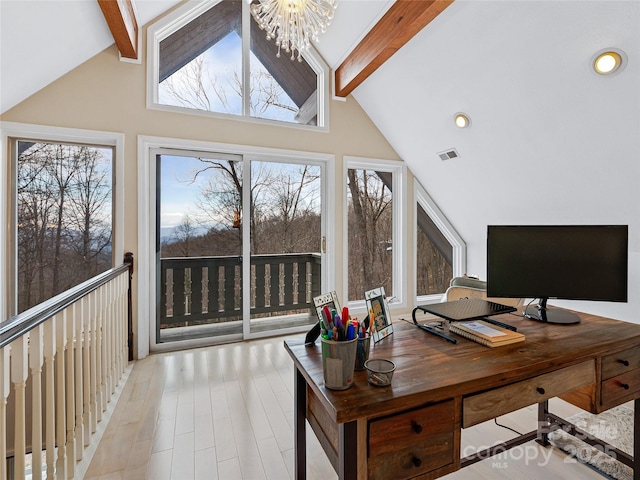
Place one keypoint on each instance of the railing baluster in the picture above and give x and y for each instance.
(260, 285)
(196, 290)
(274, 283)
(108, 339)
(229, 288)
(213, 304)
(36, 359)
(287, 282)
(163, 290)
(178, 292)
(124, 324)
(93, 362)
(302, 281)
(4, 394)
(78, 387)
(86, 370)
(70, 398)
(61, 408)
(100, 353)
(19, 373)
(50, 402)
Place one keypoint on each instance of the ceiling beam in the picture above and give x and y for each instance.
(121, 18)
(402, 21)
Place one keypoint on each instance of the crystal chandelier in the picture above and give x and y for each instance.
(293, 23)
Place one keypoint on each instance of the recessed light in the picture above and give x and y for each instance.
(609, 61)
(462, 120)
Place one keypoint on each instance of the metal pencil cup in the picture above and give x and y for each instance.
(338, 361)
(362, 352)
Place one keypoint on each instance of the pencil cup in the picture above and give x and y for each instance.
(362, 351)
(338, 362)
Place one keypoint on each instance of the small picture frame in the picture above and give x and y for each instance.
(378, 313)
(330, 300)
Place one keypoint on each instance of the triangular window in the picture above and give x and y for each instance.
(214, 58)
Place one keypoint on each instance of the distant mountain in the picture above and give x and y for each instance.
(167, 234)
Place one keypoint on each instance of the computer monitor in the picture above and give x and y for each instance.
(571, 262)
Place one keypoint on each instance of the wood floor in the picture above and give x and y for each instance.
(226, 412)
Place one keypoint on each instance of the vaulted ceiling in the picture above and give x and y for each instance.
(550, 140)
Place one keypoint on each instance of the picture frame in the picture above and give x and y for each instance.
(379, 315)
(329, 300)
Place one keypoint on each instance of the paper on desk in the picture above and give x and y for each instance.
(483, 329)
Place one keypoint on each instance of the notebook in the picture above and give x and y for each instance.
(485, 333)
(466, 309)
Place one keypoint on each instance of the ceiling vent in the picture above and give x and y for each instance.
(449, 154)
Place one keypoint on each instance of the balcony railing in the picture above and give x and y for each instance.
(81, 339)
(209, 289)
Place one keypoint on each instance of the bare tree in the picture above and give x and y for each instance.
(61, 163)
(370, 242)
(91, 190)
(293, 198)
(197, 86)
(54, 181)
(184, 234)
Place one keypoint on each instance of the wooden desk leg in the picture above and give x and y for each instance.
(543, 423)
(348, 451)
(636, 439)
(299, 433)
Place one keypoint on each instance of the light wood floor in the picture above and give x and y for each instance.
(226, 412)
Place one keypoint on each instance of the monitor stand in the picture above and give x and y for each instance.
(541, 313)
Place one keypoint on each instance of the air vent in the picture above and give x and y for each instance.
(449, 154)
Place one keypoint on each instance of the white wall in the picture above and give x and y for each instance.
(551, 141)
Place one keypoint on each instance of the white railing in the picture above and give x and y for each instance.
(60, 363)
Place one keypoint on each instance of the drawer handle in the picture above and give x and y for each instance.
(625, 386)
(416, 427)
(540, 390)
(416, 461)
(624, 362)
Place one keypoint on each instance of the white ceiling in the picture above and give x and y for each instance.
(550, 140)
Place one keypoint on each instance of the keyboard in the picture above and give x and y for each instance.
(466, 309)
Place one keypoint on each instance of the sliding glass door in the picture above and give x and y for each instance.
(237, 245)
(285, 237)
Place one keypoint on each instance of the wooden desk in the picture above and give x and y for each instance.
(412, 428)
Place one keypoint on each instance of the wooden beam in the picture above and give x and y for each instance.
(121, 18)
(402, 21)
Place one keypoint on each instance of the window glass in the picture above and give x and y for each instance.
(64, 217)
(201, 63)
(370, 232)
(201, 67)
(434, 257)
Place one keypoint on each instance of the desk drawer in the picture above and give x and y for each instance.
(499, 401)
(412, 443)
(621, 388)
(620, 362)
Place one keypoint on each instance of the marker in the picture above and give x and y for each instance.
(327, 313)
(350, 332)
(345, 313)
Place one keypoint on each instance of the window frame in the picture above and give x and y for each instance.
(148, 146)
(188, 12)
(459, 246)
(10, 133)
(399, 228)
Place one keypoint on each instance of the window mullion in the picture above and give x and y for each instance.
(246, 60)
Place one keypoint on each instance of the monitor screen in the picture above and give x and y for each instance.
(573, 262)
